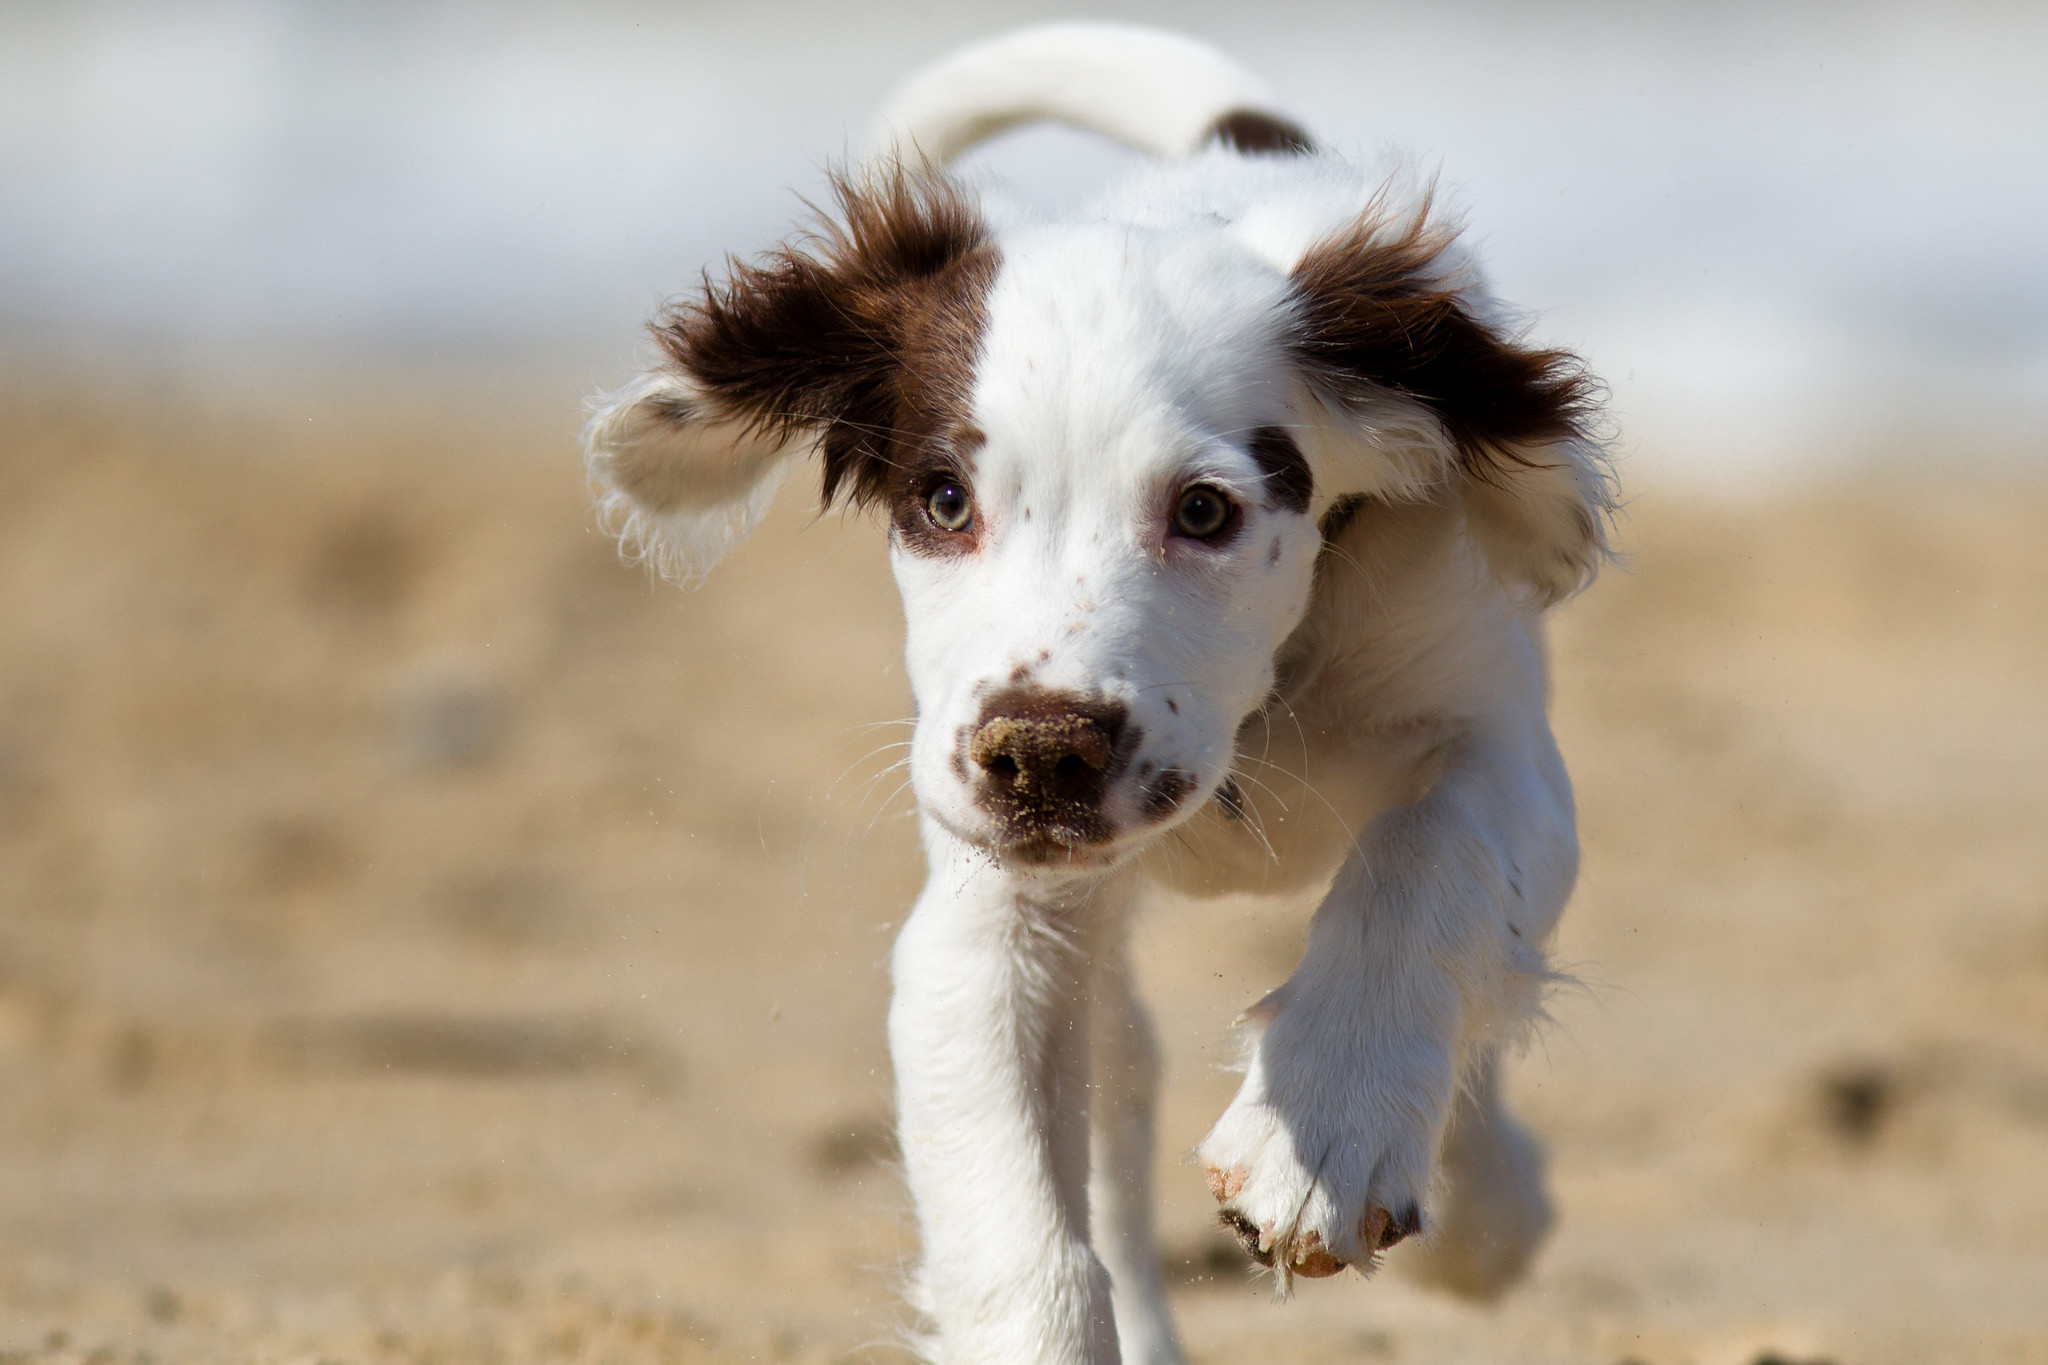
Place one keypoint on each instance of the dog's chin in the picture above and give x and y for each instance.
(1056, 853)
(1097, 846)
(1049, 853)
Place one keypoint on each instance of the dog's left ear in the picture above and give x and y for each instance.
(857, 341)
(1394, 330)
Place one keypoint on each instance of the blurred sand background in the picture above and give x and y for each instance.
(422, 938)
(426, 939)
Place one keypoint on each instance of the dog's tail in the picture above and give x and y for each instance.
(1159, 92)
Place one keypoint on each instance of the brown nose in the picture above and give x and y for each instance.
(1046, 759)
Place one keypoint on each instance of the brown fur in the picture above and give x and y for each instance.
(1381, 314)
(1376, 311)
(1289, 483)
(1247, 130)
(866, 334)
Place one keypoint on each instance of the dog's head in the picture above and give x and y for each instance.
(1105, 452)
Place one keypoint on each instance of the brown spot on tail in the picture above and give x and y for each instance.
(1248, 130)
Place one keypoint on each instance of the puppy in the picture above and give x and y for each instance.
(1224, 514)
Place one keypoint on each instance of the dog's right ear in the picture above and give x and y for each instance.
(858, 341)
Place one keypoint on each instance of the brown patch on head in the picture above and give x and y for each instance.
(866, 333)
(1248, 130)
(1289, 483)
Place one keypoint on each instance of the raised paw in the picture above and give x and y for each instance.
(1323, 1159)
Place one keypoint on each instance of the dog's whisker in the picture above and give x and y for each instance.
(881, 810)
(1308, 788)
(868, 788)
(832, 797)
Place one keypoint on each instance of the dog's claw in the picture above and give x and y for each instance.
(1380, 1229)
(1307, 1257)
(1392, 1230)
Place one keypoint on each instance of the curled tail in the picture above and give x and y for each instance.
(1159, 92)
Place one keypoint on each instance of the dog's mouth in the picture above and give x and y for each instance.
(1094, 847)
(1091, 843)
(1049, 851)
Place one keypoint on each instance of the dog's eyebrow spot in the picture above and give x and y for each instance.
(1290, 484)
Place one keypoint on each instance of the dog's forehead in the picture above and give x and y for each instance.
(1117, 347)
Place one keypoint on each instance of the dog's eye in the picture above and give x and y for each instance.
(950, 505)
(1201, 513)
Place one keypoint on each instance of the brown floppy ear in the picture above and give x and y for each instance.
(1393, 327)
(858, 340)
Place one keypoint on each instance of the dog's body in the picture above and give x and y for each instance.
(1224, 515)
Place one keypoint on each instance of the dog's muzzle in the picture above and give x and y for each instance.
(1045, 763)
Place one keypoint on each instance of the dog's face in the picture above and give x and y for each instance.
(1103, 451)
(1104, 547)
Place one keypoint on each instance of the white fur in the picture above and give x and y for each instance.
(1156, 91)
(1381, 701)
(678, 496)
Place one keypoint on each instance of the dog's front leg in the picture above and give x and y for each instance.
(1120, 1177)
(1424, 955)
(989, 1034)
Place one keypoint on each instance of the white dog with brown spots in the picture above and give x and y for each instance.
(1228, 506)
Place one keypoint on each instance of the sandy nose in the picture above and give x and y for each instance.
(1047, 761)
(1041, 752)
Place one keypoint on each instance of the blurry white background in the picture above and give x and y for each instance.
(1789, 235)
